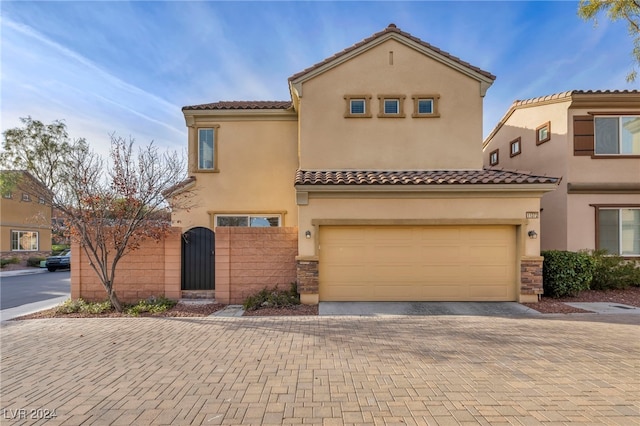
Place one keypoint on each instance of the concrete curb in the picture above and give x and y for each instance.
(22, 272)
(30, 308)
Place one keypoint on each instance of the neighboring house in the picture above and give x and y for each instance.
(592, 140)
(376, 164)
(25, 216)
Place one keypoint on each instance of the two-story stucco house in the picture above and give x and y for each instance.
(25, 217)
(592, 140)
(376, 162)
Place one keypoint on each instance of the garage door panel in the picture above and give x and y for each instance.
(372, 263)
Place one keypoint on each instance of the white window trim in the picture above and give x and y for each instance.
(595, 135)
(216, 135)
(382, 100)
(21, 232)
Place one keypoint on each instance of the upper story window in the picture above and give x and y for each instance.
(26, 197)
(207, 143)
(543, 133)
(41, 200)
(617, 135)
(391, 106)
(619, 230)
(251, 220)
(7, 195)
(494, 158)
(425, 106)
(358, 106)
(24, 241)
(515, 147)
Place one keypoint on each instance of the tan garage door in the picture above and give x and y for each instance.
(417, 263)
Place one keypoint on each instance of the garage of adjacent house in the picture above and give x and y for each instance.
(417, 263)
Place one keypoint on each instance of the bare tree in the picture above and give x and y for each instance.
(628, 10)
(110, 209)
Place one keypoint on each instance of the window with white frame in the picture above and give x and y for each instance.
(249, 220)
(207, 148)
(619, 230)
(494, 157)
(357, 106)
(24, 241)
(515, 147)
(26, 197)
(391, 106)
(617, 135)
(425, 106)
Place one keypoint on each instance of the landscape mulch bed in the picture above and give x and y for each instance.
(547, 305)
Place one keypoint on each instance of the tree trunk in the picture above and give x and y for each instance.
(113, 298)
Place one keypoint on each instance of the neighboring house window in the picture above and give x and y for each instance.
(24, 241)
(493, 157)
(391, 106)
(358, 106)
(515, 147)
(425, 106)
(41, 200)
(619, 230)
(617, 135)
(26, 197)
(543, 133)
(7, 195)
(207, 143)
(250, 220)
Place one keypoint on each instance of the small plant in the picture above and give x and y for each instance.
(9, 261)
(272, 298)
(56, 249)
(34, 261)
(79, 306)
(152, 305)
(566, 273)
(613, 272)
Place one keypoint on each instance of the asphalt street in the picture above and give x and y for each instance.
(25, 289)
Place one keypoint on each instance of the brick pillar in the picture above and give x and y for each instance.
(531, 278)
(308, 284)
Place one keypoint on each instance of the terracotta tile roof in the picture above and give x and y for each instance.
(555, 97)
(570, 93)
(420, 177)
(393, 29)
(238, 105)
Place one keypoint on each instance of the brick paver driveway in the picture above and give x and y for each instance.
(322, 370)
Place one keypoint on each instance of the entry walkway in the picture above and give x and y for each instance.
(347, 370)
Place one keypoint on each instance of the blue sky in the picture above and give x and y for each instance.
(129, 67)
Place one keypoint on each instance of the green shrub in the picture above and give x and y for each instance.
(613, 272)
(56, 249)
(76, 306)
(566, 273)
(9, 261)
(272, 298)
(152, 305)
(34, 261)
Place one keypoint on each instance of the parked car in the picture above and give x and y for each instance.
(61, 261)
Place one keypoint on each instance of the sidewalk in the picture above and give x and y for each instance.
(22, 272)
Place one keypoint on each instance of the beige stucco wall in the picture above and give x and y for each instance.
(257, 160)
(328, 140)
(18, 215)
(429, 209)
(548, 158)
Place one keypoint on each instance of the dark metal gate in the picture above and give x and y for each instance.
(198, 259)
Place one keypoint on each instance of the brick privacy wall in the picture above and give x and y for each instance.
(307, 271)
(152, 270)
(250, 259)
(531, 276)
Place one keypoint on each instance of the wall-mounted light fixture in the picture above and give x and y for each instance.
(307, 234)
(532, 234)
